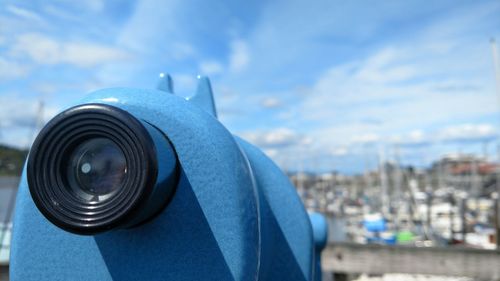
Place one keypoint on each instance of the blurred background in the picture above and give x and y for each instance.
(385, 115)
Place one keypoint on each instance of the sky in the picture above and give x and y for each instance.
(317, 85)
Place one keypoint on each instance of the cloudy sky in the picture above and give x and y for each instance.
(318, 85)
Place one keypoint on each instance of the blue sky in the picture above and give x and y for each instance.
(318, 85)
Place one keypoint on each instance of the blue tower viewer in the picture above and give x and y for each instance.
(134, 184)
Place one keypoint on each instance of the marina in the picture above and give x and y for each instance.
(8, 189)
(453, 202)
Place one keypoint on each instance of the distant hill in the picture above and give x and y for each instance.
(11, 160)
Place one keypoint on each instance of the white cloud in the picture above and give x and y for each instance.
(380, 68)
(45, 88)
(379, 88)
(340, 151)
(18, 127)
(458, 133)
(44, 50)
(368, 138)
(468, 132)
(12, 69)
(58, 12)
(151, 29)
(239, 56)
(413, 138)
(211, 67)
(182, 50)
(270, 102)
(277, 138)
(89, 6)
(94, 5)
(400, 90)
(24, 13)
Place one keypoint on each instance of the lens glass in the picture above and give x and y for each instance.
(96, 169)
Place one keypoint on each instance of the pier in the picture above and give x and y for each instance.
(347, 259)
(4, 271)
(350, 259)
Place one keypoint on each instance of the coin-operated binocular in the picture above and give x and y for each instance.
(132, 184)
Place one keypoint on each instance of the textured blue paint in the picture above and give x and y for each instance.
(234, 214)
(287, 249)
(204, 97)
(165, 83)
(320, 234)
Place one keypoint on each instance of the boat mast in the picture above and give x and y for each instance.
(497, 80)
(383, 183)
(37, 125)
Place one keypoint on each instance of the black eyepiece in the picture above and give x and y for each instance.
(96, 167)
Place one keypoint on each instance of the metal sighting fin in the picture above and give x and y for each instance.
(204, 97)
(165, 83)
